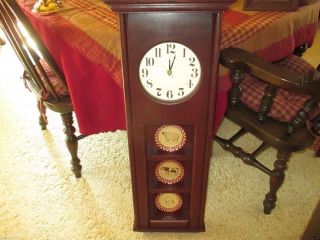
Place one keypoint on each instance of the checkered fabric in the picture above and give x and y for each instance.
(58, 86)
(286, 104)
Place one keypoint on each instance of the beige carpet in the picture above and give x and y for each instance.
(40, 198)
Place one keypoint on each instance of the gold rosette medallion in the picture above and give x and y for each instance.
(168, 202)
(169, 172)
(170, 138)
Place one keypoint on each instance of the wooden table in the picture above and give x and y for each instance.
(84, 39)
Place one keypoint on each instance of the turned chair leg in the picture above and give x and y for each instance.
(276, 179)
(72, 143)
(42, 121)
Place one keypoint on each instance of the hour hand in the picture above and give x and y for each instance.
(171, 65)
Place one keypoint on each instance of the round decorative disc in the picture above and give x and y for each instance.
(168, 202)
(170, 138)
(169, 171)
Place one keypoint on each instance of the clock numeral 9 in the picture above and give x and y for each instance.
(171, 48)
(144, 72)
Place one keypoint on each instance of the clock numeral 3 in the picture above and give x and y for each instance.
(195, 72)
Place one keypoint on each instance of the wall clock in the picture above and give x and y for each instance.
(170, 72)
(170, 52)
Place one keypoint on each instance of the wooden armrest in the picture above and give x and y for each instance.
(234, 58)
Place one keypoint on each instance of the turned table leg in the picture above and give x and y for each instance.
(72, 143)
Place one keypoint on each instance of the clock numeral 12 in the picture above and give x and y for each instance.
(171, 48)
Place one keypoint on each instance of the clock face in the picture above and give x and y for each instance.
(170, 72)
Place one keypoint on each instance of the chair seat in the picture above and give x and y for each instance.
(57, 84)
(286, 104)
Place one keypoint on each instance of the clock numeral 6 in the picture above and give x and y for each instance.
(169, 94)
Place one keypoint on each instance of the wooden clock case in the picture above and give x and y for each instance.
(144, 24)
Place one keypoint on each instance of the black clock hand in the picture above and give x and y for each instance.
(170, 66)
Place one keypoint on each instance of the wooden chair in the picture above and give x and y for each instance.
(42, 74)
(274, 102)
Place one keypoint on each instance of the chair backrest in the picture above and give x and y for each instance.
(16, 25)
(259, 103)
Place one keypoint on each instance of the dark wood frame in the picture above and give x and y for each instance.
(270, 5)
(170, 21)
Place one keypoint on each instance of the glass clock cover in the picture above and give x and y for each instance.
(170, 72)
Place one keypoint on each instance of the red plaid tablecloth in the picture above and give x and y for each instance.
(84, 39)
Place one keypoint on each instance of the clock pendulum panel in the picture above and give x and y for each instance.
(170, 53)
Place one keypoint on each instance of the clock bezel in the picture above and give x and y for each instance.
(176, 101)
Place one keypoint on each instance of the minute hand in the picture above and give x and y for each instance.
(171, 65)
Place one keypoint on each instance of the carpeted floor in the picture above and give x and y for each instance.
(40, 198)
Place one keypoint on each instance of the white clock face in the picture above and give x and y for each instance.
(170, 72)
